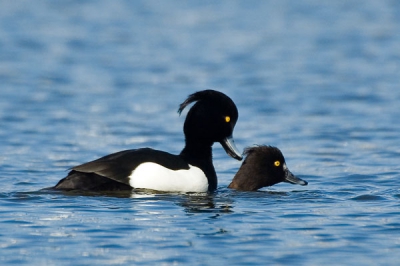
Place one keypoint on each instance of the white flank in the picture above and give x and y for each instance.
(157, 177)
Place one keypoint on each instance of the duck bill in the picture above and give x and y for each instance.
(229, 146)
(290, 178)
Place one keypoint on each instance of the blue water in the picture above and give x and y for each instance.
(320, 80)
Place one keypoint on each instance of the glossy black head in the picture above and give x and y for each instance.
(211, 119)
(263, 166)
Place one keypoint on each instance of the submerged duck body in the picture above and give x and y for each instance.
(211, 119)
(263, 166)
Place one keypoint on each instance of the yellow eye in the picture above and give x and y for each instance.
(277, 163)
(227, 119)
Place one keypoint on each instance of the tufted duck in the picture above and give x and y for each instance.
(263, 166)
(211, 119)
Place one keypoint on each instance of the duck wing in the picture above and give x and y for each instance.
(120, 165)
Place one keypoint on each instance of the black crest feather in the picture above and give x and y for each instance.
(199, 96)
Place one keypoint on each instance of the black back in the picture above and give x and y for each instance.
(116, 167)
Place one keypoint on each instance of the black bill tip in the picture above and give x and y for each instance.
(229, 146)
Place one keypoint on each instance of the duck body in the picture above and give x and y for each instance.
(141, 168)
(263, 166)
(211, 119)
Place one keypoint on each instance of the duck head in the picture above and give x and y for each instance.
(263, 166)
(211, 119)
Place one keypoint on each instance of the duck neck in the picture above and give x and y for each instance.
(198, 150)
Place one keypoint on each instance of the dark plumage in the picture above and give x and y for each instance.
(263, 166)
(211, 119)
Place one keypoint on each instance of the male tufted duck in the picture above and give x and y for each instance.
(211, 119)
(263, 166)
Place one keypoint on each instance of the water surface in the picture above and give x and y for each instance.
(81, 79)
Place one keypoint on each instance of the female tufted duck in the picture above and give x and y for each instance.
(263, 166)
(211, 119)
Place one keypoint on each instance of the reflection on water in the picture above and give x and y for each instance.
(221, 201)
(207, 204)
(190, 202)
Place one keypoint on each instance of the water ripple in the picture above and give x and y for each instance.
(320, 81)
